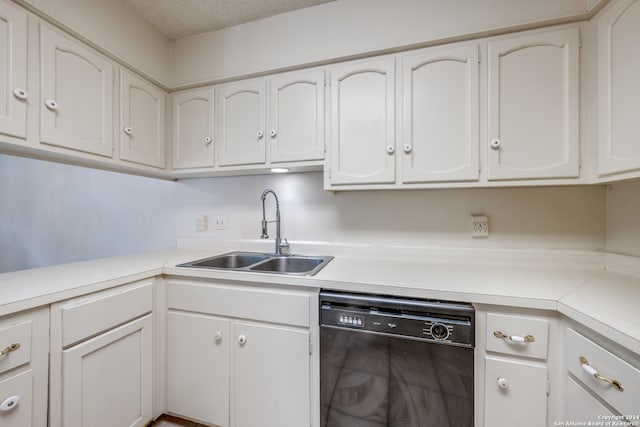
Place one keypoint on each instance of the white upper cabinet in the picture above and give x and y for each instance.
(533, 106)
(241, 125)
(193, 129)
(363, 123)
(296, 117)
(142, 109)
(13, 71)
(76, 108)
(618, 88)
(440, 115)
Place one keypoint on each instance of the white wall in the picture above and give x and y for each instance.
(623, 218)
(557, 218)
(347, 27)
(53, 213)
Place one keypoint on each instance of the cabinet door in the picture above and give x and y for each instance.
(618, 89)
(76, 108)
(198, 367)
(441, 119)
(533, 106)
(193, 129)
(106, 381)
(581, 406)
(17, 394)
(13, 70)
(296, 117)
(141, 121)
(363, 123)
(515, 393)
(271, 371)
(242, 115)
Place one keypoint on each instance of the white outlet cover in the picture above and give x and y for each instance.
(479, 226)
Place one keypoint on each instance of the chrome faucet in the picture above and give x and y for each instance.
(280, 246)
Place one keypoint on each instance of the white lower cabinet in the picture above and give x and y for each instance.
(240, 356)
(102, 358)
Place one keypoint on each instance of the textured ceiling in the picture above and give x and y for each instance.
(182, 18)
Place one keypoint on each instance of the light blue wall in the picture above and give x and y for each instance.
(53, 213)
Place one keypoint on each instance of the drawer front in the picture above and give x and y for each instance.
(240, 302)
(15, 400)
(15, 345)
(605, 363)
(87, 316)
(582, 406)
(528, 335)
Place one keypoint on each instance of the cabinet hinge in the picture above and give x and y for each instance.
(580, 162)
(310, 347)
(579, 40)
(548, 386)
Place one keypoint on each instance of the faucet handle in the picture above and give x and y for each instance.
(285, 247)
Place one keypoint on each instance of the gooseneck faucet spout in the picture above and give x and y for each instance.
(265, 233)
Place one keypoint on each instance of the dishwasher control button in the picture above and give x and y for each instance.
(439, 331)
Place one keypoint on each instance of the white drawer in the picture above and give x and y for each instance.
(16, 400)
(627, 402)
(582, 406)
(89, 315)
(285, 307)
(15, 345)
(517, 335)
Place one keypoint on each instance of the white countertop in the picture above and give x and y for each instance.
(574, 283)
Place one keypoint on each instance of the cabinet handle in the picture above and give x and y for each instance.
(514, 338)
(20, 93)
(242, 339)
(218, 335)
(273, 133)
(207, 140)
(260, 134)
(495, 143)
(51, 104)
(9, 349)
(128, 130)
(9, 403)
(391, 149)
(591, 371)
(407, 148)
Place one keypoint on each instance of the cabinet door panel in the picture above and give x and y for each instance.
(618, 89)
(533, 106)
(198, 367)
(13, 70)
(242, 116)
(193, 129)
(296, 128)
(523, 403)
(107, 379)
(363, 123)
(441, 115)
(80, 82)
(582, 406)
(141, 121)
(272, 376)
(21, 386)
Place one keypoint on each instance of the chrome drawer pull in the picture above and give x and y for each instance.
(591, 371)
(514, 338)
(9, 349)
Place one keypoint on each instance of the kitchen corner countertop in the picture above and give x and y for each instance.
(574, 283)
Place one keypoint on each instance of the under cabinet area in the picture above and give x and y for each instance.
(24, 358)
(102, 358)
(247, 358)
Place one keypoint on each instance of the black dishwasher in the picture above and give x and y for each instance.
(395, 362)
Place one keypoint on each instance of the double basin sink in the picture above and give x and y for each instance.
(257, 262)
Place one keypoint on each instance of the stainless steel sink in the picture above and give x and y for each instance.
(263, 263)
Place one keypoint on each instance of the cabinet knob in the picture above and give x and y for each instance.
(9, 403)
(20, 93)
(273, 133)
(51, 104)
(207, 140)
(407, 148)
(260, 134)
(592, 371)
(9, 349)
(242, 339)
(391, 149)
(495, 143)
(218, 335)
(503, 383)
(128, 130)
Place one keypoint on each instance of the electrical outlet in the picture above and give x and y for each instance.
(479, 226)
(202, 223)
(220, 223)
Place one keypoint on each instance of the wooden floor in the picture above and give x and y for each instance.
(169, 421)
